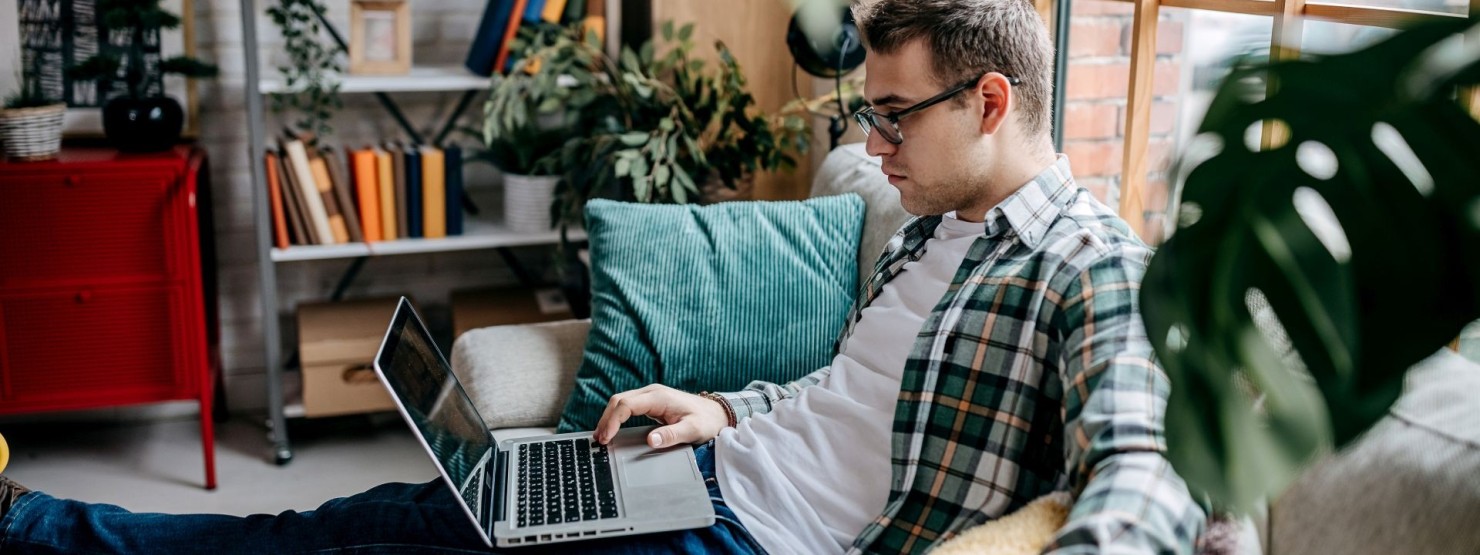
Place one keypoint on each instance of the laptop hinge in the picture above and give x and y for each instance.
(500, 470)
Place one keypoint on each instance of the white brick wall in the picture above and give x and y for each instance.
(442, 30)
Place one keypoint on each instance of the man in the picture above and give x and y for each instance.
(995, 356)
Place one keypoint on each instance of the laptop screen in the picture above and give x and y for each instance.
(433, 400)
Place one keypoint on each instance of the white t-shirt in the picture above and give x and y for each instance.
(809, 475)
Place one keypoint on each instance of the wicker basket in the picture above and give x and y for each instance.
(32, 133)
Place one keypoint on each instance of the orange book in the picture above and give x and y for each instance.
(325, 185)
(385, 177)
(275, 196)
(366, 170)
(433, 193)
(503, 51)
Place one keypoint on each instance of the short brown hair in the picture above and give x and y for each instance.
(968, 38)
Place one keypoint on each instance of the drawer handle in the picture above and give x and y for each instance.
(83, 296)
(359, 374)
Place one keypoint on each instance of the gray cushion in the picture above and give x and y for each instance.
(520, 375)
(848, 169)
(1411, 485)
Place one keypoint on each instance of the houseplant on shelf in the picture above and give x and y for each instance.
(1370, 185)
(144, 119)
(31, 120)
(658, 127)
(310, 78)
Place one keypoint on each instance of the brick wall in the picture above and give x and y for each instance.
(441, 32)
(1095, 102)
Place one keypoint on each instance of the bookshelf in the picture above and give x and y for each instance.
(477, 234)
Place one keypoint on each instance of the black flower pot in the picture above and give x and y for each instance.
(143, 124)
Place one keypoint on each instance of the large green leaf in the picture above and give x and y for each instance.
(1376, 134)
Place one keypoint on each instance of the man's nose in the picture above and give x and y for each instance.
(876, 145)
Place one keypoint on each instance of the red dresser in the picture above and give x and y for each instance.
(104, 282)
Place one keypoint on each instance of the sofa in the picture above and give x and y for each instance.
(1412, 485)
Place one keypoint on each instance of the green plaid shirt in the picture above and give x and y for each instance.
(1033, 374)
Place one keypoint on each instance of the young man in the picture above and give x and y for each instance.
(996, 355)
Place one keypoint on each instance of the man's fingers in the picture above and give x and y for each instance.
(620, 410)
(677, 433)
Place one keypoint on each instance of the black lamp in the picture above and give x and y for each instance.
(824, 41)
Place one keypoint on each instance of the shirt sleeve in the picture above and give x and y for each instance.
(758, 397)
(1129, 500)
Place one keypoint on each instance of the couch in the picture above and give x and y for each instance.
(1412, 485)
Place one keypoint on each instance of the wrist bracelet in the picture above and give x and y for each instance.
(729, 411)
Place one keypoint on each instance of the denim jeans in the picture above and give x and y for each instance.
(391, 518)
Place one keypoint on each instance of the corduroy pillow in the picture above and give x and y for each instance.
(712, 297)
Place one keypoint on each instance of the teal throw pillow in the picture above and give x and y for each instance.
(713, 297)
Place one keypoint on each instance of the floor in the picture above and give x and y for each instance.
(156, 466)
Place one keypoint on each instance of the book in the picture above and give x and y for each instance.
(490, 37)
(386, 179)
(554, 9)
(575, 10)
(595, 18)
(398, 167)
(312, 199)
(364, 172)
(509, 33)
(533, 14)
(299, 226)
(344, 193)
(319, 174)
(433, 193)
(275, 200)
(454, 174)
(414, 212)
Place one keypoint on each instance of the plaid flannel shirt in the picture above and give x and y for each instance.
(1033, 374)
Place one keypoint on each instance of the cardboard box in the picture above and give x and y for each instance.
(336, 344)
(477, 308)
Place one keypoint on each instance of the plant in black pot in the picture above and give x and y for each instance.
(143, 119)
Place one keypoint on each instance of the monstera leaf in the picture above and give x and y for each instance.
(1376, 139)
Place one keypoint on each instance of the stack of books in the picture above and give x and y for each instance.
(321, 195)
(502, 20)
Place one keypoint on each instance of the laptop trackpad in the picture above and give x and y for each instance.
(656, 468)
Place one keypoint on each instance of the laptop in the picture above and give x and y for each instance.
(535, 490)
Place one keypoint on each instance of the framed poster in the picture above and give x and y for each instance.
(56, 34)
(379, 37)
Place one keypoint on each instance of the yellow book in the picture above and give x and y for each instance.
(433, 193)
(387, 182)
(325, 185)
(553, 10)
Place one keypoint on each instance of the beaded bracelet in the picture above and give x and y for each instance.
(729, 411)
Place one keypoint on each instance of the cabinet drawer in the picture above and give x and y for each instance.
(92, 347)
(58, 229)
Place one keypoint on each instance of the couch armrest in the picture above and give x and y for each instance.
(520, 375)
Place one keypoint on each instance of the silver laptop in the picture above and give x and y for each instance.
(535, 490)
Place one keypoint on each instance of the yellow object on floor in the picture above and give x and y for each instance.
(4, 453)
(1026, 531)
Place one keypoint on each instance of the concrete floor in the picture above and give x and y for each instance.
(156, 465)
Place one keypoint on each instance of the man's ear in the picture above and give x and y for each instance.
(997, 101)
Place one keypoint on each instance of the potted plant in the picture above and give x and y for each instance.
(525, 123)
(143, 119)
(31, 119)
(311, 76)
(1368, 185)
(658, 128)
(31, 122)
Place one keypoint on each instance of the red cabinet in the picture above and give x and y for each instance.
(106, 297)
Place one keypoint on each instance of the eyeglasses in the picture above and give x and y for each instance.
(870, 120)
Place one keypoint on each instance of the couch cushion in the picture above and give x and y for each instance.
(849, 169)
(713, 297)
(520, 375)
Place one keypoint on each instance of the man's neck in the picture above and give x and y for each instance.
(1010, 176)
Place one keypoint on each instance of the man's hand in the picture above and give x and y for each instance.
(687, 418)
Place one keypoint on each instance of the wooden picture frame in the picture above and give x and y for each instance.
(380, 37)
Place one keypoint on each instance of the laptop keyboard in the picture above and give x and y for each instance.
(563, 481)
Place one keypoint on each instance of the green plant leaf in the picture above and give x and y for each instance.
(635, 138)
(1394, 168)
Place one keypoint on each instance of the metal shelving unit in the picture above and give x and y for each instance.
(477, 234)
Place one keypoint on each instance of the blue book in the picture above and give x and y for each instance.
(413, 192)
(533, 14)
(454, 178)
(490, 37)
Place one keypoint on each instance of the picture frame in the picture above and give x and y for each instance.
(379, 37)
(84, 116)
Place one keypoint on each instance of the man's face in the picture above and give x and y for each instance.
(940, 165)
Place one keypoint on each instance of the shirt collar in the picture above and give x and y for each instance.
(1034, 207)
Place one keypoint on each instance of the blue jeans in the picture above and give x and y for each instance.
(391, 518)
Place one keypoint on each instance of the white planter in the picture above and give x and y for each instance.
(527, 200)
(32, 133)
